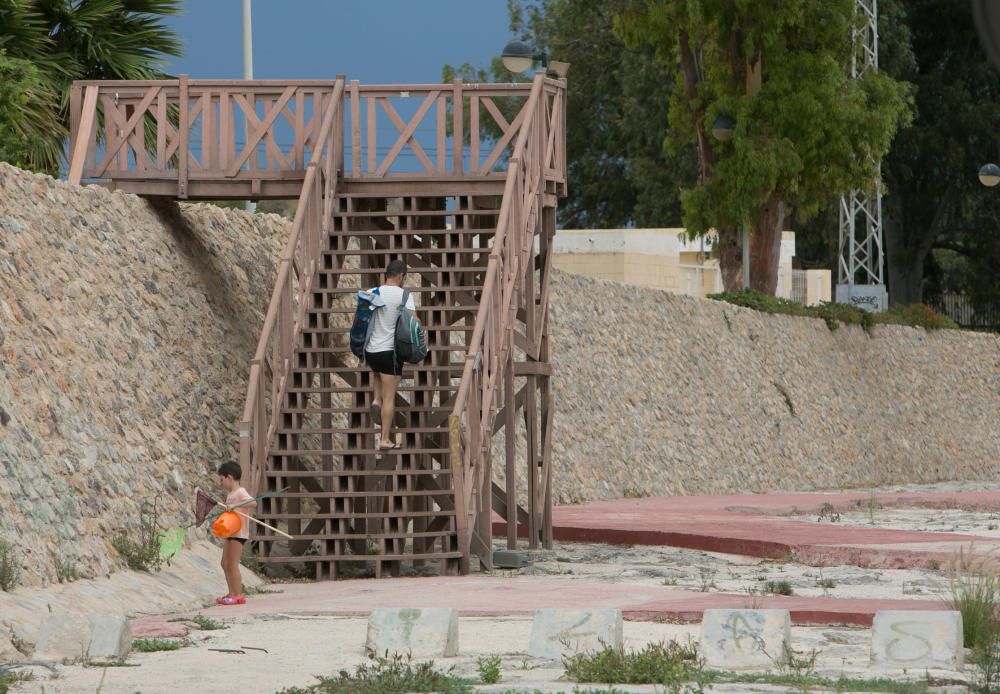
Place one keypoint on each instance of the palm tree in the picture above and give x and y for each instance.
(66, 40)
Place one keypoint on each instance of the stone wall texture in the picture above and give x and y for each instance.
(660, 394)
(126, 332)
(125, 339)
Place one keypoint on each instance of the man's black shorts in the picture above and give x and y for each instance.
(384, 363)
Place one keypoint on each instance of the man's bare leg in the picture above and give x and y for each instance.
(389, 386)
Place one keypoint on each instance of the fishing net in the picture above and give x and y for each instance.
(203, 506)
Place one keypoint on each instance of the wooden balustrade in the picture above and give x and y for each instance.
(211, 138)
(537, 160)
(297, 267)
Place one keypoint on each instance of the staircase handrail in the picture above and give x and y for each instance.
(296, 272)
(471, 420)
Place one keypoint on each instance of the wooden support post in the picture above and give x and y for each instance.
(185, 136)
(457, 123)
(510, 441)
(84, 134)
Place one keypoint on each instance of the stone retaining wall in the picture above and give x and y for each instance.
(125, 340)
(661, 394)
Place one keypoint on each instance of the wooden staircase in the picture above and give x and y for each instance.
(475, 229)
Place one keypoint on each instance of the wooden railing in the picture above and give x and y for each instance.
(536, 160)
(185, 129)
(297, 270)
(214, 132)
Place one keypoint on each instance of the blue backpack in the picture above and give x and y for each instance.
(361, 329)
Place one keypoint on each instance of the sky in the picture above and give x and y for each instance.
(373, 41)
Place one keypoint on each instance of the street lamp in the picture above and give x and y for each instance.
(518, 57)
(989, 175)
(722, 130)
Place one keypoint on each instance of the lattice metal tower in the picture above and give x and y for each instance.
(860, 273)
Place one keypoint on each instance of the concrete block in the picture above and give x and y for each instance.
(63, 636)
(505, 559)
(110, 636)
(424, 633)
(734, 639)
(559, 632)
(918, 639)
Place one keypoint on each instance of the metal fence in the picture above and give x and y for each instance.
(961, 309)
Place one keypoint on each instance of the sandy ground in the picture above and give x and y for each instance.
(299, 648)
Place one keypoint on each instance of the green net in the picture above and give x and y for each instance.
(171, 542)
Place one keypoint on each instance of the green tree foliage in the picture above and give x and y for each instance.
(619, 169)
(942, 227)
(25, 102)
(66, 40)
(803, 127)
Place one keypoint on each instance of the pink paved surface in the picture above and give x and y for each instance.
(752, 525)
(493, 596)
(747, 524)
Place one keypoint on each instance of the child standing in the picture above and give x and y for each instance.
(229, 477)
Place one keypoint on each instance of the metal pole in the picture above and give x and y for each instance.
(249, 206)
(746, 257)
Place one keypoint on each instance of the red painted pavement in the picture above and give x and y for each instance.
(495, 596)
(752, 525)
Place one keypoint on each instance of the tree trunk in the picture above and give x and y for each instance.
(765, 246)
(906, 248)
(730, 260)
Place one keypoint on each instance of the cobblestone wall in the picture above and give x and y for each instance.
(125, 339)
(658, 393)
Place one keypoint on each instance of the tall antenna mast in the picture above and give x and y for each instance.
(860, 271)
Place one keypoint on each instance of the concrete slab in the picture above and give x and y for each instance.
(110, 636)
(752, 525)
(560, 632)
(918, 640)
(420, 632)
(738, 639)
(63, 636)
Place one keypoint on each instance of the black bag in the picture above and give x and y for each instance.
(411, 344)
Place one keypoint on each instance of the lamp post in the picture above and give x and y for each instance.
(722, 130)
(518, 57)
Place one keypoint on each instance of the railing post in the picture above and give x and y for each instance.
(457, 127)
(185, 127)
(458, 484)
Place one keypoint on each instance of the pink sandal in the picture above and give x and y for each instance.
(233, 600)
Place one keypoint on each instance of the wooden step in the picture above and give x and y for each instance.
(344, 350)
(370, 494)
(428, 327)
(421, 250)
(356, 473)
(363, 233)
(396, 431)
(407, 409)
(284, 453)
(410, 272)
(360, 557)
(398, 515)
(361, 536)
(361, 367)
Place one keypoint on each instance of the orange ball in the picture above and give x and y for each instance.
(227, 525)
